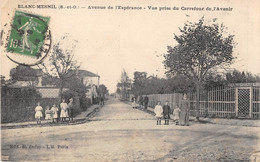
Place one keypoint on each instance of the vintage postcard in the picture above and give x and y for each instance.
(130, 80)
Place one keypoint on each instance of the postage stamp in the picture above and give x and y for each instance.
(27, 38)
(27, 34)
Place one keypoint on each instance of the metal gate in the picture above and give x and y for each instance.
(256, 103)
(243, 106)
(240, 100)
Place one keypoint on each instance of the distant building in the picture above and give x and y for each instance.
(88, 78)
(48, 86)
(91, 81)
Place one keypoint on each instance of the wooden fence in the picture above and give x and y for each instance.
(234, 100)
(173, 99)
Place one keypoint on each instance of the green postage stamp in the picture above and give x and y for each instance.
(28, 34)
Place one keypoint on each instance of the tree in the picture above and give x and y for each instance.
(23, 73)
(178, 84)
(201, 48)
(124, 85)
(214, 80)
(241, 77)
(139, 83)
(102, 90)
(61, 65)
(118, 91)
(2, 80)
(76, 85)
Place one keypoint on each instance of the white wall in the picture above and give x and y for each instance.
(91, 80)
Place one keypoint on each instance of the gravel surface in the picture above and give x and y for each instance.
(116, 132)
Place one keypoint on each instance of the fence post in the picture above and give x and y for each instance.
(236, 100)
(251, 102)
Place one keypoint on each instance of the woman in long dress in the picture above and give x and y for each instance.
(38, 113)
(63, 111)
(71, 109)
(184, 115)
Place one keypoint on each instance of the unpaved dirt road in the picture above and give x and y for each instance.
(119, 133)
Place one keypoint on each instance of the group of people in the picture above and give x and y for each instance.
(52, 114)
(180, 115)
(142, 101)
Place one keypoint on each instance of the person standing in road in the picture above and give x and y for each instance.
(133, 102)
(158, 110)
(166, 112)
(38, 113)
(63, 111)
(184, 115)
(145, 101)
(55, 111)
(102, 100)
(141, 101)
(176, 115)
(71, 109)
(48, 113)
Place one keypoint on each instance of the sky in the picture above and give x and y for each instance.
(136, 40)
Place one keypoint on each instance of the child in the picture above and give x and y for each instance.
(158, 110)
(176, 115)
(166, 112)
(38, 113)
(55, 111)
(63, 111)
(48, 113)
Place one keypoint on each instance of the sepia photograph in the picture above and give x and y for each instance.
(130, 80)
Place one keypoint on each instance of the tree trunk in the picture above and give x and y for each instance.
(60, 93)
(197, 101)
(61, 89)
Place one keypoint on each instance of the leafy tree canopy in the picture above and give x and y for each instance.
(124, 85)
(139, 82)
(102, 90)
(200, 48)
(23, 73)
(236, 76)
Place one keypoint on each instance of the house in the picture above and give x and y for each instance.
(49, 87)
(91, 81)
(88, 78)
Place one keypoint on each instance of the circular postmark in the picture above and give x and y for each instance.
(27, 40)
